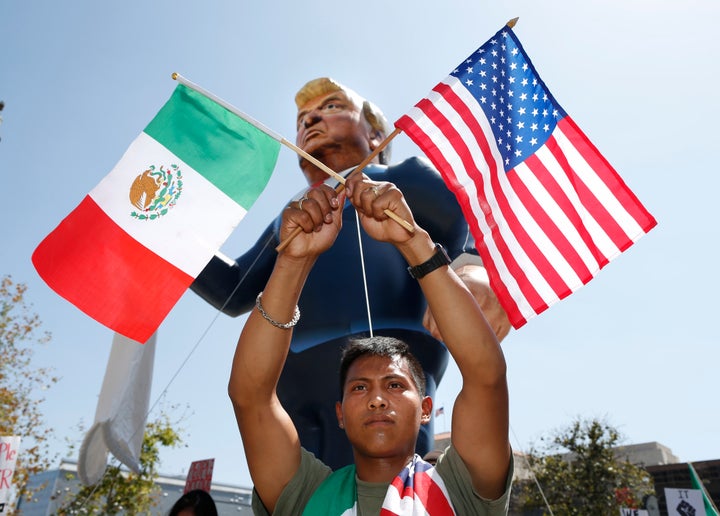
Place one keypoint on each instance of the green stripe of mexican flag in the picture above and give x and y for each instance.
(212, 140)
(128, 252)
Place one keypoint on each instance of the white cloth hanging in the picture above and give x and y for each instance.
(121, 411)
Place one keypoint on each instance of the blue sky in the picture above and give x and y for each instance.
(637, 346)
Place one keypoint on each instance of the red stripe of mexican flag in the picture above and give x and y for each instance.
(132, 247)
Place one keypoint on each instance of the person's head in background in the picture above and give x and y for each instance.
(194, 503)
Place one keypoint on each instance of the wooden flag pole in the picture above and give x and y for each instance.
(272, 134)
(339, 188)
(377, 150)
(512, 22)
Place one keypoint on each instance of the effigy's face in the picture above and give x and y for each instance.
(333, 123)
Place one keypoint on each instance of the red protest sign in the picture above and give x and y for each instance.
(200, 475)
(9, 446)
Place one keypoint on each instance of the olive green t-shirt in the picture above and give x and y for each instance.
(312, 472)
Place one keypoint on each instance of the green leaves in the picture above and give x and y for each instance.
(122, 491)
(20, 334)
(579, 473)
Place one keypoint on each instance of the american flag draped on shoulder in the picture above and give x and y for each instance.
(545, 207)
(417, 489)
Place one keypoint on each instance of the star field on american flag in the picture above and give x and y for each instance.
(521, 111)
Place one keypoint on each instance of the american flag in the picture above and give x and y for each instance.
(545, 207)
(418, 489)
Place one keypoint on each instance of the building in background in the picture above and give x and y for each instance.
(677, 476)
(230, 500)
(658, 460)
(646, 454)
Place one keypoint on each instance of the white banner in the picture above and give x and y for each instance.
(9, 447)
(624, 511)
(684, 502)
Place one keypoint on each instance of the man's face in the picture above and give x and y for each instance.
(382, 409)
(332, 128)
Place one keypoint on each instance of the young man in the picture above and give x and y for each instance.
(383, 404)
(340, 128)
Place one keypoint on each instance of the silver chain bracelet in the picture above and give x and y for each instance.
(283, 326)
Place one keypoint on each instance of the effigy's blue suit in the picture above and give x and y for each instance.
(333, 306)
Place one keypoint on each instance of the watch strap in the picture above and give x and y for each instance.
(436, 261)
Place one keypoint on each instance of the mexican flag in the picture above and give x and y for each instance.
(132, 247)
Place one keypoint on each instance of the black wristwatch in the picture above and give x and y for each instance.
(439, 259)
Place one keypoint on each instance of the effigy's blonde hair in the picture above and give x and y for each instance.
(372, 113)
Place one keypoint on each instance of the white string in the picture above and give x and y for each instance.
(362, 266)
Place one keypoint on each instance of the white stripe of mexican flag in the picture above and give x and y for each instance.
(191, 230)
(131, 248)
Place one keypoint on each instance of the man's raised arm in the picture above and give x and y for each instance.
(480, 415)
(271, 443)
